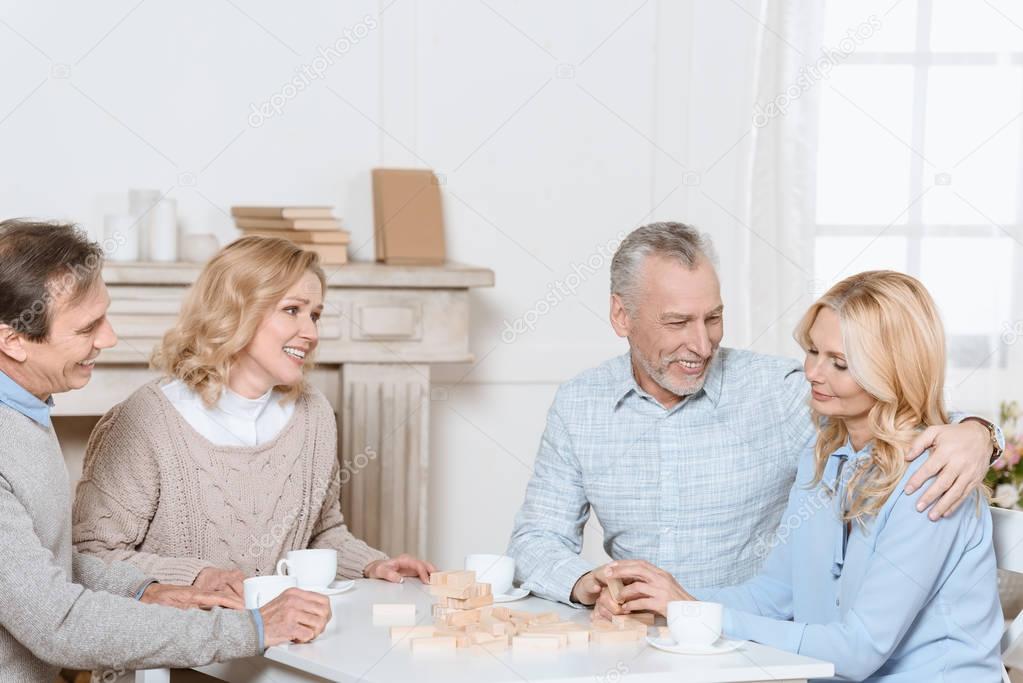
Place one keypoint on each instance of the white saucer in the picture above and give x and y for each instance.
(511, 596)
(720, 647)
(336, 588)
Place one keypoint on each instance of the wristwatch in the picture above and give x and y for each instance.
(996, 443)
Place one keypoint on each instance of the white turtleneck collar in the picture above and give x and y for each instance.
(234, 420)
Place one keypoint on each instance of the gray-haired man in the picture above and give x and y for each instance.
(685, 451)
(59, 608)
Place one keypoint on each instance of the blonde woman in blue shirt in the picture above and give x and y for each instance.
(855, 575)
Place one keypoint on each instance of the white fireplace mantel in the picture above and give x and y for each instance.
(382, 328)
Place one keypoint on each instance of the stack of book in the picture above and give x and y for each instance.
(313, 228)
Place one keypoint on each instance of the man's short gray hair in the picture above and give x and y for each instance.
(667, 239)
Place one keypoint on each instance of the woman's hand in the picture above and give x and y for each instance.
(647, 588)
(189, 597)
(224, 580)
(397, 568)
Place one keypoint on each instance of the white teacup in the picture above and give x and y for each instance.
(694, 623)
(497, 570)
(314, 568)
(260, 590)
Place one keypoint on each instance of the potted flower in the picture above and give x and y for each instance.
(1006, 475)
(1006, 479)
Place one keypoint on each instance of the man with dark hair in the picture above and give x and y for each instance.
(59, 608)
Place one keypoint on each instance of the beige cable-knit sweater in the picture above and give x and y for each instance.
(157, 494)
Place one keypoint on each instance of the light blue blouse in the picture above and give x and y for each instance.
(903, 599)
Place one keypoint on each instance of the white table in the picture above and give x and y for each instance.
(353, 649)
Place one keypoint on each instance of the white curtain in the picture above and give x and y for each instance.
(782, 171)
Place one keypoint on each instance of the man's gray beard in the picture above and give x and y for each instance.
(659, 374)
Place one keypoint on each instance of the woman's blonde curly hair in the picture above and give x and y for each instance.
(224, 308)
(895, 350)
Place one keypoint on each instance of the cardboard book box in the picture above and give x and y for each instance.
(408, 221)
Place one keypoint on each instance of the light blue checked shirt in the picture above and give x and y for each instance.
(697, 489)
(690, 489)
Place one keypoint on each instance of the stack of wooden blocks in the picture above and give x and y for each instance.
(465, 616)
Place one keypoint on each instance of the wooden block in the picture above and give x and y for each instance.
(556, 628)
(493, 626)
(664, 632)
(615, 586)
(462, 618)
(603, 625)
(409, 632)
(545, 618)
(576, 638)
(502, 643)
(435, 644)
(525, 642)
(461, 638)
(501, 613)
(626, 621)
(469, 603)
(624, 636)
(458, 579)
(394, 614)
(562, 638)
(483, 638)
(451, 591)
(438, 610)
(642, 617)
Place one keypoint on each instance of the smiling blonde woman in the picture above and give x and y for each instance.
(216, 470)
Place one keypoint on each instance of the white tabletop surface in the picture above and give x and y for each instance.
(354, 649)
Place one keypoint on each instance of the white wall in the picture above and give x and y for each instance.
(557, 127)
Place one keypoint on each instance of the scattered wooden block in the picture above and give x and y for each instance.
(501, 613)
(561, 637)
(526, 642)
(409, 632)
(462, 639)
(502, 643)
(483, 638)
(559, 626)
(576, 638)
(435, 644)
(615, 636)
(394, 614)
(545, 618)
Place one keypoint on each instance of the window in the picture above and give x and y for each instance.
(918, 161)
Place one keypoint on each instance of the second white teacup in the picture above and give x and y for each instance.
(694, 623)
(260, 590)
(313, 568)
(497, 570)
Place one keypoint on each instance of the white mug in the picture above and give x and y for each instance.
(314, 568)
(260, 590)
(694, 623)
(497, 570)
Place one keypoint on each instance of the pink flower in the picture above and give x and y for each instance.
(1012, 453)
(999, 464)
